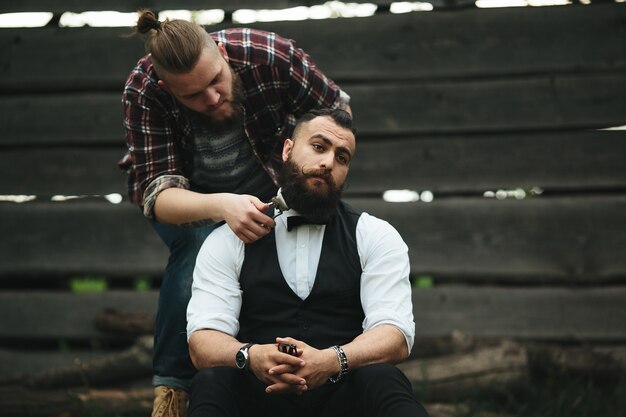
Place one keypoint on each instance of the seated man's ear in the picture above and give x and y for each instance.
(287, 147)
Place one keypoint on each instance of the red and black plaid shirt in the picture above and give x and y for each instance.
(280, 81)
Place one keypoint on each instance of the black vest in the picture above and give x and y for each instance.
(331, 314)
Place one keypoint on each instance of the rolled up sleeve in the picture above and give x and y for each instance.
(385, 285)
(215, 293)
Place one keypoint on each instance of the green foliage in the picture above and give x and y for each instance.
(423, 281)
(88, 284)
(142, 283)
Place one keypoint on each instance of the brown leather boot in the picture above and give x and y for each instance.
(169, 402)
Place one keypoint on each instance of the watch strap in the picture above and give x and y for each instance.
(246, 346)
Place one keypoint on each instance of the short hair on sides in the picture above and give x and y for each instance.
(341, 117)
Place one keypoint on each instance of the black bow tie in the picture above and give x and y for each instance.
(295, 221)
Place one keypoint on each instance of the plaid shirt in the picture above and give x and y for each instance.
(280, 82)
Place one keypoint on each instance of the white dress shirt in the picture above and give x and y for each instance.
(385, 289)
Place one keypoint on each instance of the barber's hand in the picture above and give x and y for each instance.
(318, 366)
(266, 357)
(245, 215)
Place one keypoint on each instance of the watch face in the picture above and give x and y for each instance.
(241, 359)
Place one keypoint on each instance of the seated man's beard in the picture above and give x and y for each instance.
(319, 205)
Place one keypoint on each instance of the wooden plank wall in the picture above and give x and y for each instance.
(456, 103)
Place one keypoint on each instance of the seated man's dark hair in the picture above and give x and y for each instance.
(341, 117)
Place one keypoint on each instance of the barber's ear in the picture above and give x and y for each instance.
(220, 47)
(164, 86)
(287, 147)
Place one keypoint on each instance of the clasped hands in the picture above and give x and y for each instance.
(283, 373)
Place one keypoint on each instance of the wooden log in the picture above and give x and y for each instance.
(16, 362)
(17, 401)
(133, 363)
(608, 363)
(124, 323)
(137, 401)
(499, 368)
(504, 367)
(455, 342)
(456, 410)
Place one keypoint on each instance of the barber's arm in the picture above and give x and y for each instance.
(159, 185)
(244, 214)
(344, 102)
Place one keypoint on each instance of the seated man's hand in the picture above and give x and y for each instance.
(318, 366)
(265, 358)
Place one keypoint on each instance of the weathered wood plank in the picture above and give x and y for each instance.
(59, 6)
(568, 239)
(14, 363)
(60, 315)
(548, 313)
(594, 314)
(86, 119)
(91, 238)
(464, 43)
(533, 103)
(475, 43)
(580, 161)
(72, 64)
(536, 103)
(62, 171)
(565, 240)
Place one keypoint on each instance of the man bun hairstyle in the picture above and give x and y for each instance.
(175, 45)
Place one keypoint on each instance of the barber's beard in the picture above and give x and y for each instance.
(235, 102)
(318, 204)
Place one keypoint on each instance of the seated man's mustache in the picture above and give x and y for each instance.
(322, 172)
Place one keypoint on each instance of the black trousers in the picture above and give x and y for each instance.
(375, 390)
